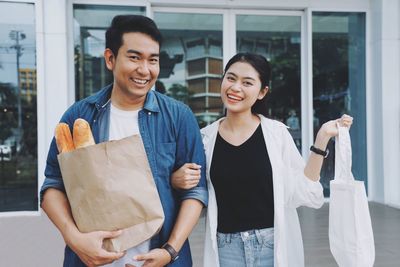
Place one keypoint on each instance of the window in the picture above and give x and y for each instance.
(191, 61)
(339, 82)
(90, 24)
(18, 118)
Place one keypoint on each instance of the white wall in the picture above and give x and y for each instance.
(384, 105)
(30, 239)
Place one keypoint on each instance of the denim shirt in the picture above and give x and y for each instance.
(171, 138)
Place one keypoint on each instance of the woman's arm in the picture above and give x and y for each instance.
(186, 177)
(326, 132)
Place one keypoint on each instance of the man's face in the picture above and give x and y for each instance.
(136, 67)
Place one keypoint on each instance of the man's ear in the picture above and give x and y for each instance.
(109, 58)
(263, 93)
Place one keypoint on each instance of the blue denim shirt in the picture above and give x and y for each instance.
(171, 138)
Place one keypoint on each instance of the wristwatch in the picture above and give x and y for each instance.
(172, 252)
(320, 152)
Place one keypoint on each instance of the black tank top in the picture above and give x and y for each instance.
(242, 179)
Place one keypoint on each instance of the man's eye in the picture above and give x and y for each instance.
(154, 60)
(229, 78)
(134, 57)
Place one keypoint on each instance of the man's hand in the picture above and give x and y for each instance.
(154, 258)
(88, 247)
(186, 177)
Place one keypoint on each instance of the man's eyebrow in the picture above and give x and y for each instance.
(132, 51)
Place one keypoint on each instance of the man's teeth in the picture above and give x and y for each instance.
(140, 81)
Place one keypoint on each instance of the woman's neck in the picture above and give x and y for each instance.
(235, 122)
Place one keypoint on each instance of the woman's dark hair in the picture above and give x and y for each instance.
(263, 68)
(130, 23)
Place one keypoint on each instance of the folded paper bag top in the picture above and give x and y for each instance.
(109, 187)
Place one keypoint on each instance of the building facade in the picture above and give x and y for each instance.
(328, 58)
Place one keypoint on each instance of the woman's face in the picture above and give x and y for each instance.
(241, 87)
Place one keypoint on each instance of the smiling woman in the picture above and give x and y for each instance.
(18, 128)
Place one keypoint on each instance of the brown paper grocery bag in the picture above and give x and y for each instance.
(110, 186)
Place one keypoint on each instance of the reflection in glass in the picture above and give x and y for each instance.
(18, 118)
(191, 62)
(90, 24)
(339, 82)
(278, 39)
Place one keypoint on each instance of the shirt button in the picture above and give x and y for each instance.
(149, 113)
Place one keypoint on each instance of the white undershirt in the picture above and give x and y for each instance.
(123, 124)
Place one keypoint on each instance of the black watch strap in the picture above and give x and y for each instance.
(320, 151)
(172, 252)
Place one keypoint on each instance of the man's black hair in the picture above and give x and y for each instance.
(130, 23)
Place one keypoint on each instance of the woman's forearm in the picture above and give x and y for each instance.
(314, 163)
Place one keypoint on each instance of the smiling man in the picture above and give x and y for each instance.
(170, 135)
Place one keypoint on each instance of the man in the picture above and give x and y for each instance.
(170, 136)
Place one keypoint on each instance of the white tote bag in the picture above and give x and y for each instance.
(350, 232)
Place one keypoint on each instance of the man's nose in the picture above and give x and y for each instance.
(143, 68)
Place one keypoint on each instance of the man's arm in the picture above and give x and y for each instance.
(88, 246)
(189, 149)
(188, 216)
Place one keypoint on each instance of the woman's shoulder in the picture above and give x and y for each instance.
(210, 129)
(272, 123)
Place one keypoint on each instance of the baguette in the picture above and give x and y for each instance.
(63, 138)
(83, 136)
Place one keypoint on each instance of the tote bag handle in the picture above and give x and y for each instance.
(343, 155)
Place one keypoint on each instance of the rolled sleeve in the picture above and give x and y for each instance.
(190, 149)
(199, 193)
(51, 182)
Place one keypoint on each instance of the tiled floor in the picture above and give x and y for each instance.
(314, 223)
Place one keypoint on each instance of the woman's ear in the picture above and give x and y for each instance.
(109, 58)
(263, 93)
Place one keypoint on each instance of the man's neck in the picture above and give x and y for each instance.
(123, 102)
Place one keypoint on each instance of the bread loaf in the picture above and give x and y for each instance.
(82, 134)
(63, 138)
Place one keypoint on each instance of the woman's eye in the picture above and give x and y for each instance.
(230, 78)
(248, 84)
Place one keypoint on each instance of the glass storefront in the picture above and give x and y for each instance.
(339, 84)
(18, 116)
(191, 65)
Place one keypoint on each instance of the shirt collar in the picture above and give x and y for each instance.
(102, 98)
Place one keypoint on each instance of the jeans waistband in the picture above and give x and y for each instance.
(247, 234)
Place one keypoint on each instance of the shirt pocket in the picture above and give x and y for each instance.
(165, 159)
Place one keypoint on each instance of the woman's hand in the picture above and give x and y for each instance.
(329, 129)
(186, 177)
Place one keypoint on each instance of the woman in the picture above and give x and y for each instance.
(256, 176)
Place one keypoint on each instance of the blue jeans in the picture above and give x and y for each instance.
(254, 248)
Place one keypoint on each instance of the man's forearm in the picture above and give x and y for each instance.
(188, 216)
(57, 208)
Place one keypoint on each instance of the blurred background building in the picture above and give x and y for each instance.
(328, 58)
